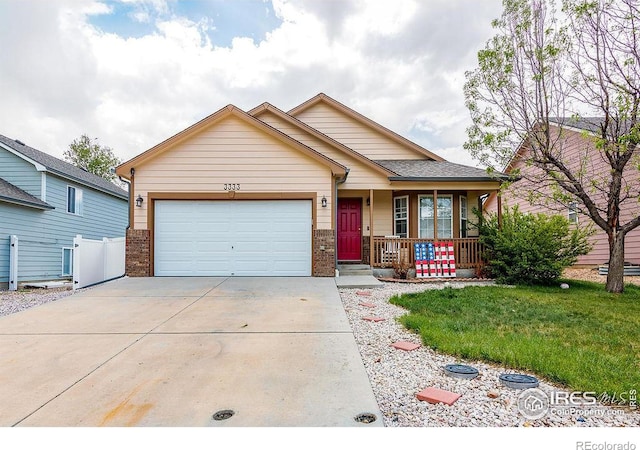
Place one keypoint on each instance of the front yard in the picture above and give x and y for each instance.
(581, 337)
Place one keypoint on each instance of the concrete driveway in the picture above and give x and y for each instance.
(174, 351)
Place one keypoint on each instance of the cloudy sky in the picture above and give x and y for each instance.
(134, 72)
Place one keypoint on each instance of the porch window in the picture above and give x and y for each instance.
(445, 216)
(401, 216)
(463, 216)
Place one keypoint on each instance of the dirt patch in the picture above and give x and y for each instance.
(593, 275)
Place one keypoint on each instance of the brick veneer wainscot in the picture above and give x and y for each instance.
(324, 261)
(138, 253)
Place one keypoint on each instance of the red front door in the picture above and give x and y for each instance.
(349, 229)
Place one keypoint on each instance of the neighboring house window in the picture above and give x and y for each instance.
(573, 212)
(401, 216)
(67, 261)
(463, 216)
(445, 216)
(74, 200)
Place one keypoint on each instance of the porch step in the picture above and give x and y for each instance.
(351, 270)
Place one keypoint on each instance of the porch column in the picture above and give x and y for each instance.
(435, 214)
(499, 204)
(371, 249)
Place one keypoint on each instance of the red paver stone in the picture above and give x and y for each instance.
(435, 395)
(364, 293)
(406, 346)
(374, 319)
(368, 305)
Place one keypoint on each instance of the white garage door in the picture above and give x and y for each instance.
(232, 238)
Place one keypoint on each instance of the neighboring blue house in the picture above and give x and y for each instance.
(46, 202)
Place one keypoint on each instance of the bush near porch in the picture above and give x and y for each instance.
(582, 337)
(530, 248)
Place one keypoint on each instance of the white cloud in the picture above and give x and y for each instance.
(401, 63)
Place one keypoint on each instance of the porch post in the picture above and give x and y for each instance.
(499, 211)
(371, 249)
(435, 214)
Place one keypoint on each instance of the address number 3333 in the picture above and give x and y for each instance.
(231, 186)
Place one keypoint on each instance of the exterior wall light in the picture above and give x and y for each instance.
(324, 201)
(139, 201)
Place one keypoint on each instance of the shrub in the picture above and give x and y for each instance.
(530, 248)
(401, 268)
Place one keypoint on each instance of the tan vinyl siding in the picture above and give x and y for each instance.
(354, 134)
(232, 151)
(360, 176)
(382, 213)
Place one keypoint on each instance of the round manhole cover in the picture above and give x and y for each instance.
(461, 371)
(365, 418)
(518, 381)
(223, 415)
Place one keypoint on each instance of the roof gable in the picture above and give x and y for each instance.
(48, 163)
(267, 107)
(229, 110)
(365, 121)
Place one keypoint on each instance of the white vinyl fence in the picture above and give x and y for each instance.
(96, 261)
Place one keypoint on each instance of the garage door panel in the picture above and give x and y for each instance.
(240, 238)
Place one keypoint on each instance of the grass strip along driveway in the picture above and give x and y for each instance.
(582, 337)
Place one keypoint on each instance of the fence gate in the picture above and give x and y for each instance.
(97, 261)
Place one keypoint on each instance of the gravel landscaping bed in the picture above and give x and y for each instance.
(397, 376)
(14, 301)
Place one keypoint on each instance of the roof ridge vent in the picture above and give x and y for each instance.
(17, 141)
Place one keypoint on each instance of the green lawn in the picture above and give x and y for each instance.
(582, 337)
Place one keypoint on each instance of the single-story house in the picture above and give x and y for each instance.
(46, 202)
(576, 137)
(272, 193)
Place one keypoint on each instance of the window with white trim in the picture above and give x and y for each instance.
(74, 200)
(463, 216)
(572, 214)
(426, 219)
(401, 216)
(67, 261)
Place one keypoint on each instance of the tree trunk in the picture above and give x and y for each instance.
(615, 277)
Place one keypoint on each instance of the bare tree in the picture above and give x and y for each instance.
(542, 73)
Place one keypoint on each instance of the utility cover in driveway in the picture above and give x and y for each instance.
(232, 238)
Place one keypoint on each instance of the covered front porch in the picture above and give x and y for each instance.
(381, 227)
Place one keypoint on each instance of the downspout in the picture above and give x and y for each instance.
(124, 180)
(335, 215)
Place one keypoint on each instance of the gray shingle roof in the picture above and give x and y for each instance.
(591, 124)
(63, 168)
(13, 194)
(426, 170)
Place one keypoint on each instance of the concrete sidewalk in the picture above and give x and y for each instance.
(174, 351)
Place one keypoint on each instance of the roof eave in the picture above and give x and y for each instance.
(124, 169)
(267, 107)
(124, 196)
(15, 201)
(365, 120)
(459, 179)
